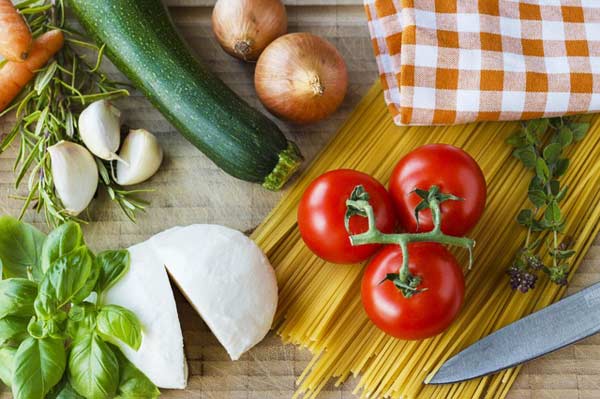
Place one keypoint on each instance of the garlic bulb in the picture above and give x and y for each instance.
(141, 157)
(245, 27)
(75, 175)
(100, 129)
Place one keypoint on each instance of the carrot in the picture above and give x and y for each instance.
(15, 75)
(15, 37)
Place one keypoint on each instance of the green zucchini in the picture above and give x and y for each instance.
(143, 43)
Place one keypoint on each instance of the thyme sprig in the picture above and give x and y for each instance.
(47, 111)
(540, 146)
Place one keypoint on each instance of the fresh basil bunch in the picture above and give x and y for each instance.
(57, 337)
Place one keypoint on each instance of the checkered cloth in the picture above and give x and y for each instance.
(456, 61)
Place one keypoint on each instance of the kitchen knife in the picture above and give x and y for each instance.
(556, 326)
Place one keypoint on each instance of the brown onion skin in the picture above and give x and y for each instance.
(285, 78)
(244, 28)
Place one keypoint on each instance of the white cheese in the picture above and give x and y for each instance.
(227, 279)
(146, 291)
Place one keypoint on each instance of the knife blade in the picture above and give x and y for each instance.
(567, 321)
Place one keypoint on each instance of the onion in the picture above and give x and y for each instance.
(301, 77)
(245, 27)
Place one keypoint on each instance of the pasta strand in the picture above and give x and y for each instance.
(320, 306)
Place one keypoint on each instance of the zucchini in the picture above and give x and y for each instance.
(143, 43)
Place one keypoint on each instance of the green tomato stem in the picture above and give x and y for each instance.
(374, 236)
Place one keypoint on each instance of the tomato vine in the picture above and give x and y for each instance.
(358, 204)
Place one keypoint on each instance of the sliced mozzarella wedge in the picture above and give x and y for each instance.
(146, 291)
(227, 279)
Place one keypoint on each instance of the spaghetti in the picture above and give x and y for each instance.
(320, 306)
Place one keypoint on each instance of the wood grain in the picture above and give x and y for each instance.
(190, 189)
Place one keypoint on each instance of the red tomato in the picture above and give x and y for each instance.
(322, 210)
(454, 172)
(426, 313)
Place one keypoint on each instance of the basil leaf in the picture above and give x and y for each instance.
(93, 368)
(56, 329)
(65, 278)
(16, 297)
(82, 317)
(83, 313)
(53, 327)
(13, 328)
(68, 393)
(64, 390)
(113, 265)
(7, 356)
(20, 248)
(133, 384)
(115, 323)
(36, 328)
(39, 365)
(60, 242)
(90, 283)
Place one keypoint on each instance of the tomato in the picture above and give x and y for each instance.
(424, 314)
(454, 172)
(323, 208)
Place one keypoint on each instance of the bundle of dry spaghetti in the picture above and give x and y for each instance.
(320, 306)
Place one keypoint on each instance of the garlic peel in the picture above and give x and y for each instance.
(75, 175)
(99, 128)
(140, 155)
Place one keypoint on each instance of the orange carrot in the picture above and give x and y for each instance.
(15, 37)
(15, 75)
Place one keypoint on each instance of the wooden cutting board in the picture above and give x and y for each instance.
(190, 189)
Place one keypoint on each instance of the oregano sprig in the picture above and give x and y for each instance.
(540, 146)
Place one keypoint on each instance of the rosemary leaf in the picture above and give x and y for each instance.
(48, 109)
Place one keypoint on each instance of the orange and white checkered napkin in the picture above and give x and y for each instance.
(456, 61)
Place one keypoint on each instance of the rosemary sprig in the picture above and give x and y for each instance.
(540, 145)
(48, 109)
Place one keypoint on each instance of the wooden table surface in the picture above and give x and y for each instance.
(190, 189)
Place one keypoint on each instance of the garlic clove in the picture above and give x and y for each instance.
(75, 175)
(141, 157)
(100, 129)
